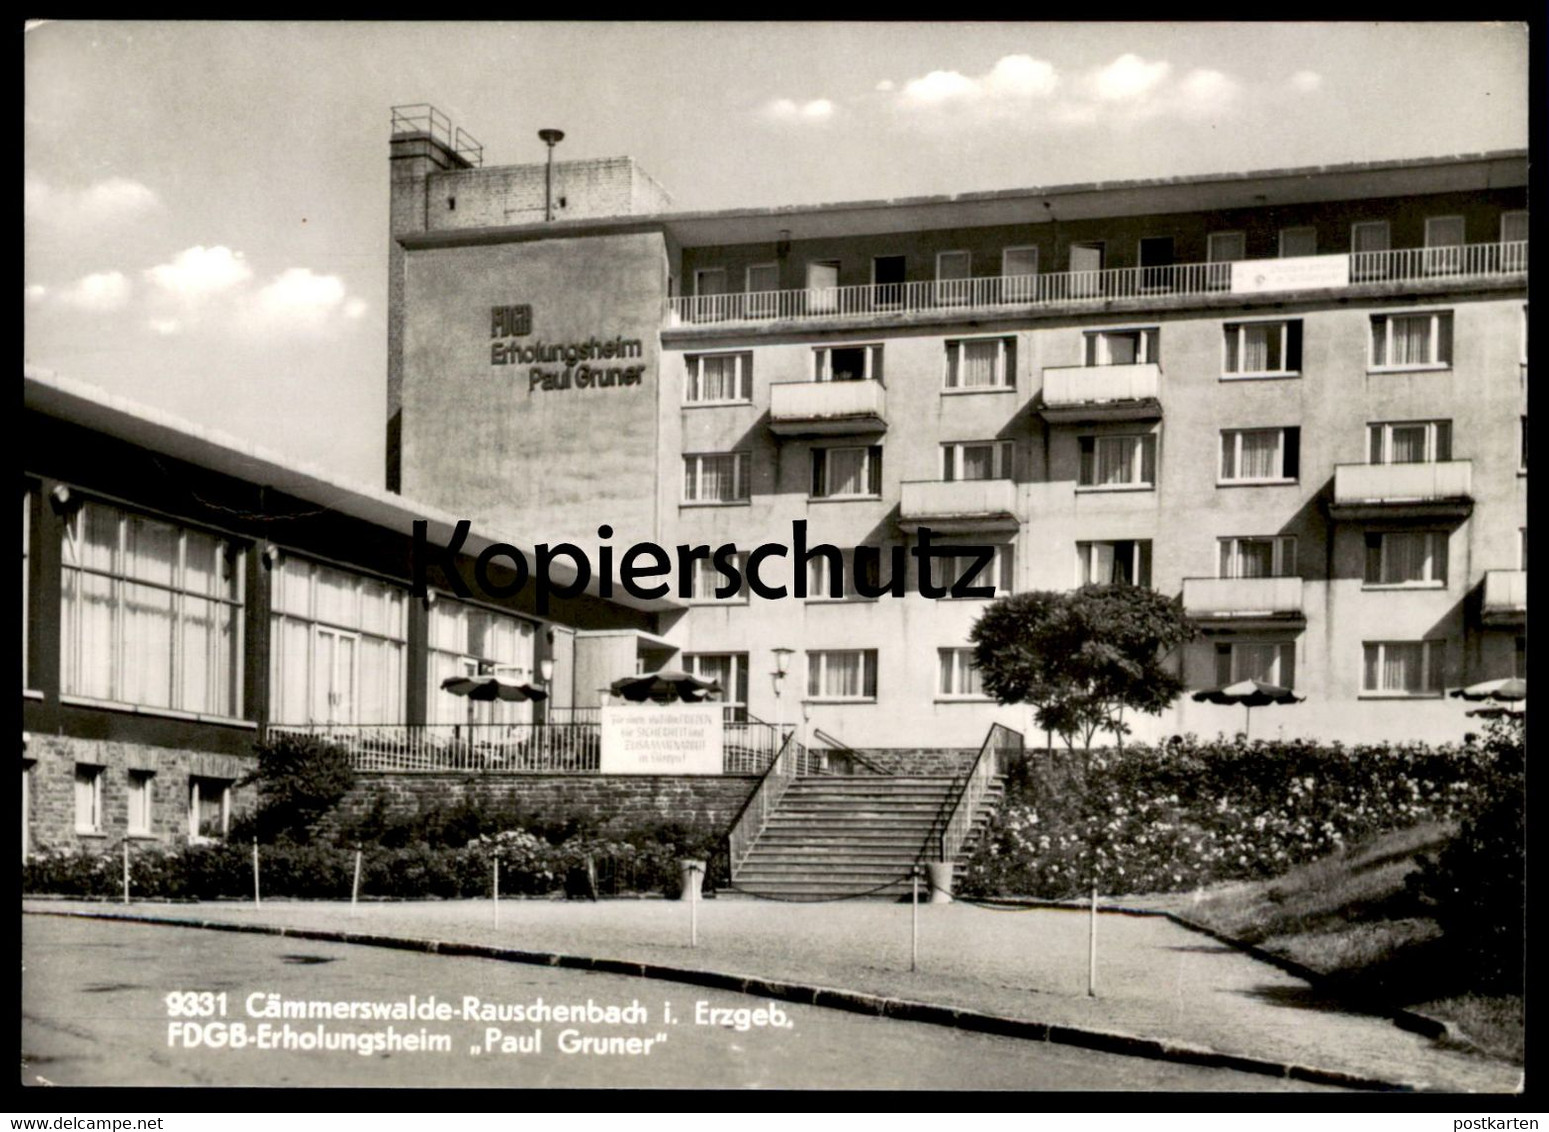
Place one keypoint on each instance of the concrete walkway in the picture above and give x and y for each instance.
(1154, 979)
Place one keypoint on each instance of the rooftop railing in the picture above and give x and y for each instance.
(423, 118)
(1010, 292)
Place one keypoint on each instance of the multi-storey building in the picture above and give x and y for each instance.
(1296, 399)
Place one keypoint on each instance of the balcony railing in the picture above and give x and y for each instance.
(869, 301)
(815, 407)
(1084, 385)
(965, 504)
(1505, 596)
(1403, 483)
(1225, 598)
(523, 748)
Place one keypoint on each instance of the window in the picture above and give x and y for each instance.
(1406, 558)
(1018, 266)
(140, 784)
(847, 363)
(1226, 247)
(1513, 227)
(1404, 668)
(1298, 241)
(823, 286)
(1118, 461)
(1263, 349)
(1086, 265)
(716, 477)
(338, 646)
(959, 675)
(1104, 563)
(1155, 254)
(465, 640)
(999, 573)
(763, 279)
(1408, 341)
(1443, 244)
(718, 377)
(977, 460)
(88, 798)
(710, 281)
(1268, 556)
(980, 363)
(1409, 442)
(843, 674)
(209, 808)
(152, 613)
(730, 670)
(887, 280)
(839, 473)
(954, 282)
(1272, 662)
(1260, 454)
(706, 579)
(1369, 243)
(1123, 347)
(821, 577)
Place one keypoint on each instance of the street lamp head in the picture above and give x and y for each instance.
(551, 137)
(782, 660)
(546, 669)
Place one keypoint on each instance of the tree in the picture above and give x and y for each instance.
(299, 779)
(1082, 657)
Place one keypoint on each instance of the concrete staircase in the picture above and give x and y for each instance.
(841, 835)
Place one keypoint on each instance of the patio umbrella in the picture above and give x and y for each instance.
(1508, 689)
(1250, 694)
(665, 686)
(484, 688)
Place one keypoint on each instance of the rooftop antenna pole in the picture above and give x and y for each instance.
(551, 138)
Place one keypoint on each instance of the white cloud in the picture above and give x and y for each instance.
(354, 308)
(108, 201)
(36, 293)
(101, 291)
(885, 85)
(938, 87)
(197, 272)
(297, 298)
(1209, 89)
(1306, 81)
(1129, 77)
(1022, 76)
(786, 109)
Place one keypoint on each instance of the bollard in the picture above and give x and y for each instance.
(1091, 949)
(914, 918)
(355, 885)
(126, 870)
(695, 870)
(256, 899)
(940, 875)
(497, 890)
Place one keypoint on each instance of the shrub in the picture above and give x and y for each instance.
(299, 780)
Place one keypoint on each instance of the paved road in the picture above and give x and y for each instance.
(95, 1012)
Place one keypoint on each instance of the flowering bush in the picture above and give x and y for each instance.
(1187, 813)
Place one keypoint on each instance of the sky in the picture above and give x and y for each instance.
(206, 203)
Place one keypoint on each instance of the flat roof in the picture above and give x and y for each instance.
(160, 431)
(1469, 172)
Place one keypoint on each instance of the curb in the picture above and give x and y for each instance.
(855, 1002)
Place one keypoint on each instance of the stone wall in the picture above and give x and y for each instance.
(920, 760)
(708, 803)
(50, 763)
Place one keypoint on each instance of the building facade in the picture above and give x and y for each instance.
(1295, 399)
(184, 593)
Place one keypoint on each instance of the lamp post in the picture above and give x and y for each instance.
(545, 676)
(551, 138)
(782, 665)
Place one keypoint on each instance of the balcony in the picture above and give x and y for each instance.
(1244, 603)
(826, 408)
(1505, 599)
(1077, 394)
(959, 505)
(1403, 491)
(1012, 293)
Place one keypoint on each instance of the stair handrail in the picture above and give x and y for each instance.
(847, 751)
(789, 762)
(986, 768)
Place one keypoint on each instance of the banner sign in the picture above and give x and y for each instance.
(661, 739)
(1298, 273)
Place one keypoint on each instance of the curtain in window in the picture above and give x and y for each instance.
(211, 795)
(978, 462)
(1401, 667)
(1256, 662)
(1411, 340)
(147, 646)
(1255, 559)
(718, 379)
(1261, 348)
(1406, 444)
(90, 614)
(86, 809)
(847, 471)
(1405, 555)
(978, 366)
(1260, 454)
(1115, 460)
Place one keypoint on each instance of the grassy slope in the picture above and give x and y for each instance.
(1350, 917)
